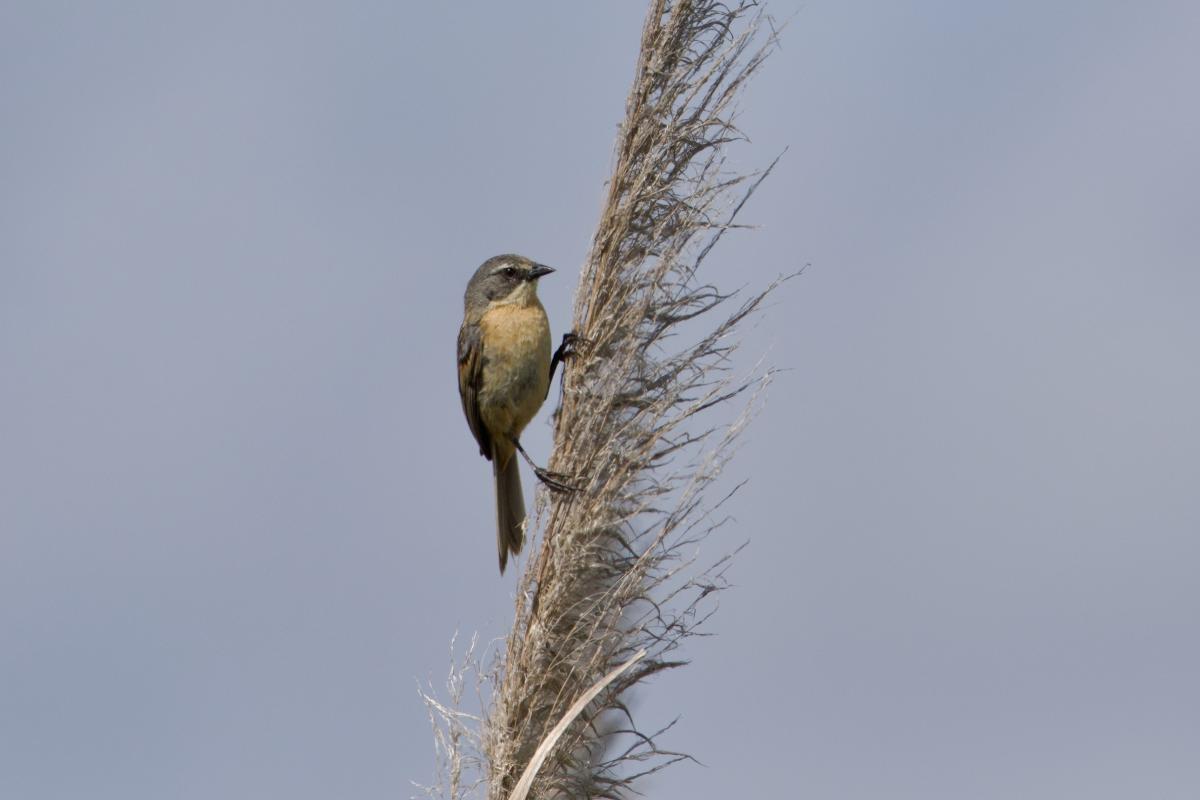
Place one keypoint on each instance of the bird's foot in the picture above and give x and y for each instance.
(571, 342)
(555, 481)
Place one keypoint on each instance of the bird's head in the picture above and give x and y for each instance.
(505, 279)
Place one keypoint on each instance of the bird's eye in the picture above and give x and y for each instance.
(510, 272)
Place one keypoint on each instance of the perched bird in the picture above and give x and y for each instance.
(504, 370)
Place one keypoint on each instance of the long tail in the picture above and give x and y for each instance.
(510, 510)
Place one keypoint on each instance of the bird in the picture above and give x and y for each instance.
(504, 372)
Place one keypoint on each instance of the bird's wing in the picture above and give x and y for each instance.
(470, 373)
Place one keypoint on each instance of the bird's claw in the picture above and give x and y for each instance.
(570, 342)
(555, 481)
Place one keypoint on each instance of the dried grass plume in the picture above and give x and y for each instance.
(640, 428)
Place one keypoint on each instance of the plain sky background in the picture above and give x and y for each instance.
(241, 515)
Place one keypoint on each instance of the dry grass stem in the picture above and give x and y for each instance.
(539, 755)
(455, 732)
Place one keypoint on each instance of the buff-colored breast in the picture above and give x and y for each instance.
(516, 368)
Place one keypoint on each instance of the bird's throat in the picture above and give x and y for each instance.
(523, 296)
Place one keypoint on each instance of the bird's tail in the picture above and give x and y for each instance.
(510, 510)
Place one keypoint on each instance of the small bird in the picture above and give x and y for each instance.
(504, 371)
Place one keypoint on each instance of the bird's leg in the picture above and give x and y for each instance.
(553, 480)
(566, 350)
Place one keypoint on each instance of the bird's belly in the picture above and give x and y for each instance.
(516, 369)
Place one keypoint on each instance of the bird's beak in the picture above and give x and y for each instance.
(538, 271)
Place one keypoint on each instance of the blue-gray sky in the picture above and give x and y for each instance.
(240, 513)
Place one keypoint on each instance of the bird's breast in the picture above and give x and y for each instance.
(516, 369)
